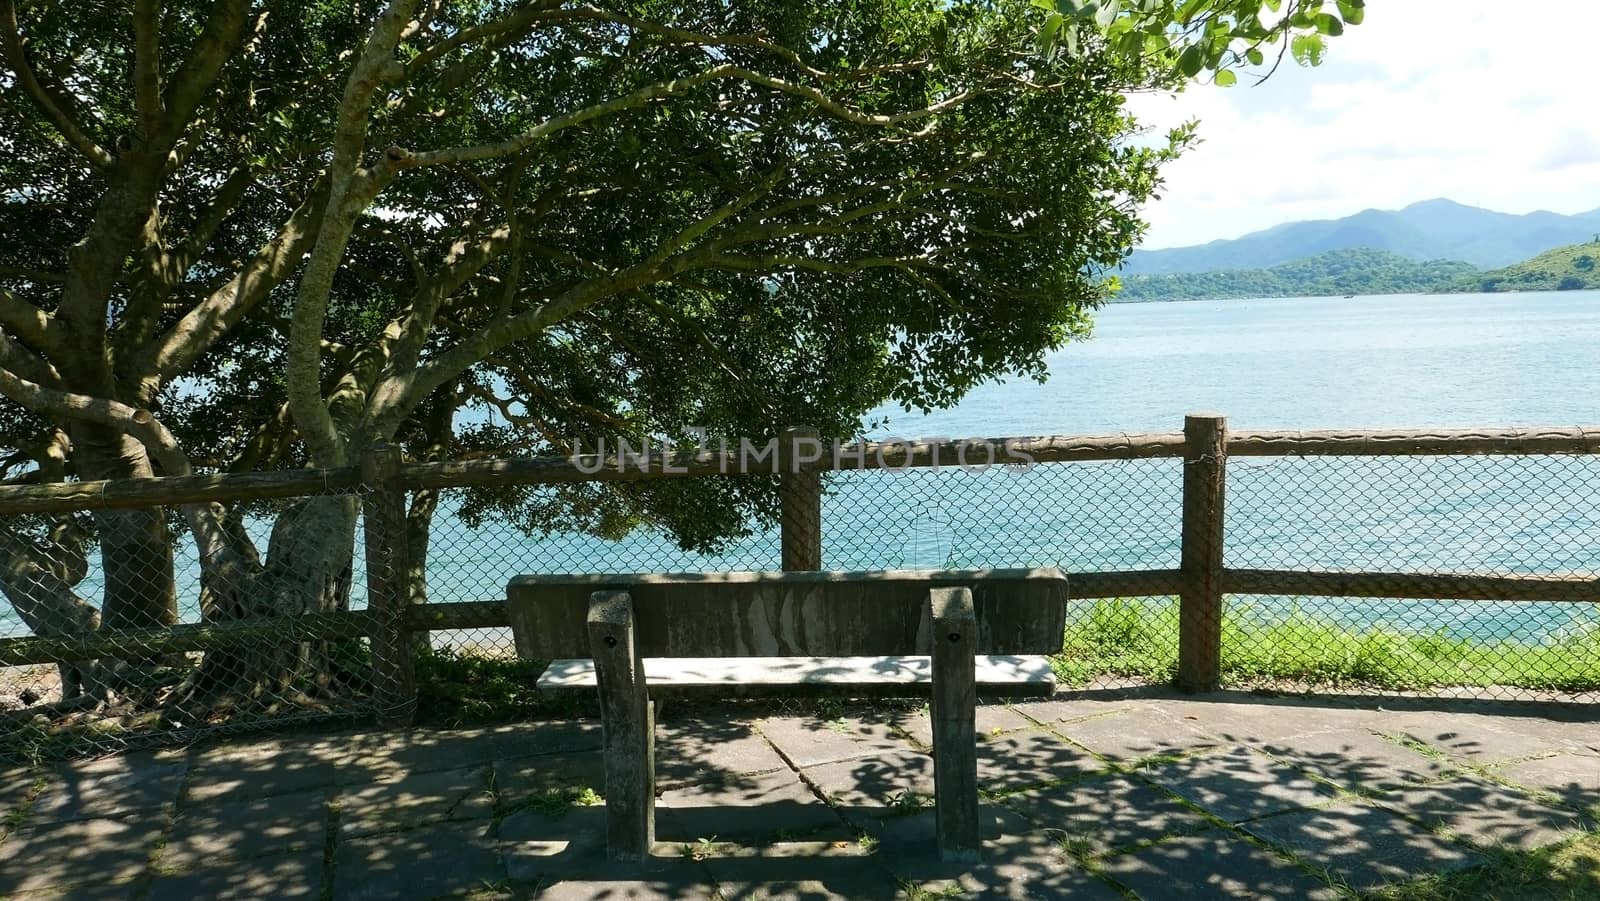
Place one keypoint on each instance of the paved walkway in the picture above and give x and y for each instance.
(1150, 795)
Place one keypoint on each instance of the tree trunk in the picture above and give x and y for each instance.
(135, 545)
(308, 569)
(39, 583)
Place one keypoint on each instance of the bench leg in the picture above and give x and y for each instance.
(954, 710)
(629, 727)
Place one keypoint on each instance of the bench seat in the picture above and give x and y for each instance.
(998, 676)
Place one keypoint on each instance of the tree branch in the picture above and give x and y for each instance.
(204, 519)
(200, 328)
(53, 107)
(223, 31)
(376, 63)
(147, 64)
(661, 90)
(35, 328)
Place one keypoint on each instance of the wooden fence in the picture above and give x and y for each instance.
(1200, 582)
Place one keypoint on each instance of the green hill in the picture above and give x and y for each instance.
(1572, 268)
(1430, 230)
(1359, 270)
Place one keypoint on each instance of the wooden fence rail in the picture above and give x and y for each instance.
(1199, 584)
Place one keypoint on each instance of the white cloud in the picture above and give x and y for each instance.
(1487, 103)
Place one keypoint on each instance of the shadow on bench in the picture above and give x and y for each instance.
(947, 635)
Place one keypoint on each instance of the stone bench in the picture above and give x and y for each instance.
(948, 635)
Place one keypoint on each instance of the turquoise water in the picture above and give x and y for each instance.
(1394, 361)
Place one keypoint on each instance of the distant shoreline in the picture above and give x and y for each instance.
(1149, 300)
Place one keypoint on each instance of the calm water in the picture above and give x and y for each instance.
(1399, 360)
(1395, 361)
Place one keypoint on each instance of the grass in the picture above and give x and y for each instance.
(1139, 639)
(1566, 872)
(1130, 639)
(457, 689)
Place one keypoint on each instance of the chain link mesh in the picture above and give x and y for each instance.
(125, 592)
(1476, 517)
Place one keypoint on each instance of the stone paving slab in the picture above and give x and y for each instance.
(531, 780)
(544, 846)
(1485, 740)
(1360, 760)
(1213, 865)
(1367, 847)
(1257, 721)
(203, 834)
(281, 766)
(690, 751)
(1091, 795)
(1238, 784)
(1136, 733)
(1021, 759)
(666, 873)
(415, 800)
(282, 876)
(450, 858)
(809, 741)
(1017, 861)
(874, 786)
(1486, 814)
(33, 858)
(991, 720)
(1572, 778)
(1099, 815)
(141, 783)
(802, 871)
(751, 809)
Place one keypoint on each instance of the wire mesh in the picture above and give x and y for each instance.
(128, 594)
(1476, 516)
(131, 580)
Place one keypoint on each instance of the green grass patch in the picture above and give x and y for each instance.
(456, 689)
(1564, 872)
(1139, 639)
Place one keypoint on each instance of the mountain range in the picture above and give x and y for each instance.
(1430, 230)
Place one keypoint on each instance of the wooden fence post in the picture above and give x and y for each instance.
(394, 689)
(1205, 475)
(800, 519)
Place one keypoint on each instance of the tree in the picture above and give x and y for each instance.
(1202, 36)
(259, 234)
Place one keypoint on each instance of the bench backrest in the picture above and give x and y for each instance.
(790, 614)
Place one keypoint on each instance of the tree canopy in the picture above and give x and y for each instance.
(249, 234)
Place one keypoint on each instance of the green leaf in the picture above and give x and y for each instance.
(1353, 11)
(1048, 33)
(1192, 61)
(1225, 78)
(1255, 56)
(1189, 10)
(1307, 49)
(1108, 13)
(1329, 24)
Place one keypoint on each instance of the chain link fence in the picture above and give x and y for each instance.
(1469, 575)
(1466, 516)
(121, 631)
(1479, 518)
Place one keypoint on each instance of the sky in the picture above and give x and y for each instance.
(1485, 102)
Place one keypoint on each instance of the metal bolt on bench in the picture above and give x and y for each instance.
(948, 635)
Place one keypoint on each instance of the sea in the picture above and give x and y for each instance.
(1394, 361)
